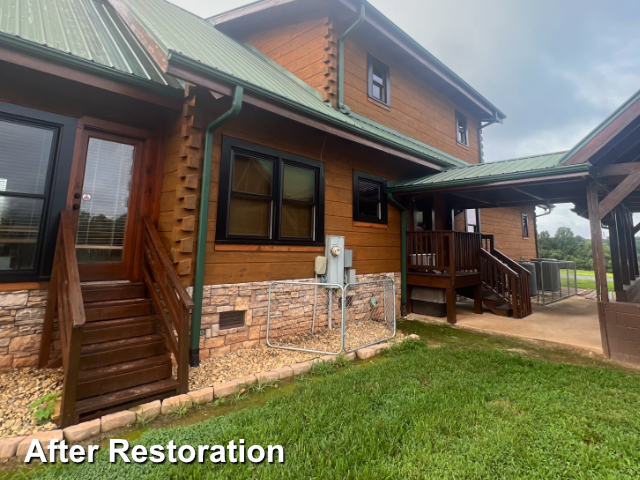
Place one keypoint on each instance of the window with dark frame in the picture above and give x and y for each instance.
(525, 225)
(378, 81)
(462, 135)
(269, 197)
(369, 199)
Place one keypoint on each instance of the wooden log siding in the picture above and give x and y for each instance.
(307, 49)
(506, 225)
(376, 250)
(417, 109)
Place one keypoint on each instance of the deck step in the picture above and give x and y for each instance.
(114, 309)
(120, 376)
(117, 329)
(119, 351)
(99, 405)
(98, 292)
(497, 306)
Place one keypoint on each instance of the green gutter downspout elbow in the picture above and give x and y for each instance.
(403, 253)
(201, 242)
(341, 106)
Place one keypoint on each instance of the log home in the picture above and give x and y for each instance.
(158, 170)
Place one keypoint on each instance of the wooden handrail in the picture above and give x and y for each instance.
(65, 302)
(169, 298)
(507, 280)
(524, 283)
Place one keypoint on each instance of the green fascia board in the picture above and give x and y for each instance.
(32, 48)
(606, 122)
(330, 115)
(547, 172)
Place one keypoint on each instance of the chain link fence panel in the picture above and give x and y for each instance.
(370, 313)
(305, 316)
(330, 319)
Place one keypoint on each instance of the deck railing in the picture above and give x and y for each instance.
(65, 302)
(444, 251)
(448, 252)
(169, 298)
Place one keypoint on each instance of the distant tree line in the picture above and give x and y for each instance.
(565, 245)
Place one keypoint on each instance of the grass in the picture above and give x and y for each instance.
(474, 407)
(591, 273)
(589, 284)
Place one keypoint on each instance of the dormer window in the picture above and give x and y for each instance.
(378, 80)
(461, 130)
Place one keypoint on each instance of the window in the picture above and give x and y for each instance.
(269, 197)
(473, 225)
(30, 193)
(461, 130)
(525, 225)
(378, 81)
(369, 199)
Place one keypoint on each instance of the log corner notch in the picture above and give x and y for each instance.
(185, 211)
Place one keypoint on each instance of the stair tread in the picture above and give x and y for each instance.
(120, 322)
(125, 342)
(116, 303)
(104, 286)
(108, 400)
(121, 368)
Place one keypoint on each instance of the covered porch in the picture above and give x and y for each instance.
(601, 178)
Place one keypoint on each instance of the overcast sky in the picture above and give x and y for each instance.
(556, 68)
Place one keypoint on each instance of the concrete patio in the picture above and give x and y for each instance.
(572, 322)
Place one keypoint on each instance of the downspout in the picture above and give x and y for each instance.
(403, 253)
(201, 242)
(341, 106)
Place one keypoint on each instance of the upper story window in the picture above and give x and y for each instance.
(269, 197)
(378, 81)
(369, 199)
(525, 225)
(461, 129)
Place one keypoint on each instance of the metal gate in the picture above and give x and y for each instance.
(330, 318)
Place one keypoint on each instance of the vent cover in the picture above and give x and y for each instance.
(231, 319)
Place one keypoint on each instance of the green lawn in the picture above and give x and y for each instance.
(583, 283)
(465, 406)
(591, 273)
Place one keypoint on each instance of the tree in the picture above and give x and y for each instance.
(565, 245)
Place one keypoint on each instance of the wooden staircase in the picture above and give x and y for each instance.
(123, 358)
(117, 339)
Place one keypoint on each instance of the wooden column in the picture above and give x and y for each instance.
(599, 265)
(623, 245)
(614, 241)
(634, 250)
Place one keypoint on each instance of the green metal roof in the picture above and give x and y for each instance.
(85, 30)
(524, 167)
(187, 38)
(619, 111)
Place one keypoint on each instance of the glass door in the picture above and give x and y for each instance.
(106, 205)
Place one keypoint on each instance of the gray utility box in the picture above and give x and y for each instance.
(335, 254)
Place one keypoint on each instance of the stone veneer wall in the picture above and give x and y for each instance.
(22, 316)
(253, 299)
(21, 319)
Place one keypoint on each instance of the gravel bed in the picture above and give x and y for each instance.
(18, 389)
(357, 334)
(243, 362)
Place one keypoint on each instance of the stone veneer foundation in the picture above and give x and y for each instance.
(21, 319)
(252, 298)
(22, 316)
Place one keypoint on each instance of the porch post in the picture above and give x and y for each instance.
(599, 265)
